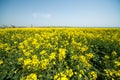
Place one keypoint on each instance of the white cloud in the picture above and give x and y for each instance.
(43, 15)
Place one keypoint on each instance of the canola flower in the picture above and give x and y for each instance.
(85, 60)
(93, 75)
(26, 53)
(52, 56)
(89, 55)
(60, 76)
(1, 62)
(27, 62)
(74, 57)
(35, 61)
(106, 57)
(80, 75)
(114, 53)
(32, 76)
(20, 59)
(44, 63)
(117, 63)
(112, 73)
(43, 52)
(84, 48)
(69, 72)
(59, 53)
(62, 54)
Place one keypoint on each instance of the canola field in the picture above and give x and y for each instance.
(60, 54)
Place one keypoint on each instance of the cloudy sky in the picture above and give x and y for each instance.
(100, 13)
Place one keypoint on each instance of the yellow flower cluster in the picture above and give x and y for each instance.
(117, 63)
(69, 72)
(93, 75)
(43, 52)
(34, 62)
(32, 76)
(44, 63)
(112, 73)
(89, 55)
(84, 61)
(1, 62)
(52, 56)
(60, 53)
(60, 76)
(114, 53)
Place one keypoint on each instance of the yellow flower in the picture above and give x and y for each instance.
(21, 46)
(75, 72)
(44, 63)
(31, 51)
(24, 50)
(85, 62)
(34, 41)
(74, 57)
(54, 62)
(63, 78)
(7, 48)
(37, 46)
(109, 72)
(52, 56)
(114, 53)
(84, 48)
(27, 53)
(43, 52)
(32, 76)
(60, 76)
(117, 73)
(27, 62)
(16, 71)
(69, 72)
(20, 59)
(106, 57)
(15, 42)
(80, 75)
(62, 54)
(35, 62)
(34, 57)
(37, 35)
(1, 61)
(117, 63)
(89, 56)
(82, 59)
(93, 75)
(82, 72)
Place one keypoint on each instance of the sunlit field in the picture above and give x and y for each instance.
(60, 54)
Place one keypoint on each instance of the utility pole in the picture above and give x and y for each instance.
(31, 26)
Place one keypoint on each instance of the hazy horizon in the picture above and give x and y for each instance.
(83, 13)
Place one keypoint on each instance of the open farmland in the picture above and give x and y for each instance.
(60, 54)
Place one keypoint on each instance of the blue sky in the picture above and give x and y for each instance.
(96, 13)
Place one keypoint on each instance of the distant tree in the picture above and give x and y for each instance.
(13, 26)
(4, 26)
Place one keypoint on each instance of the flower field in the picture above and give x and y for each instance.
(60, 54)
